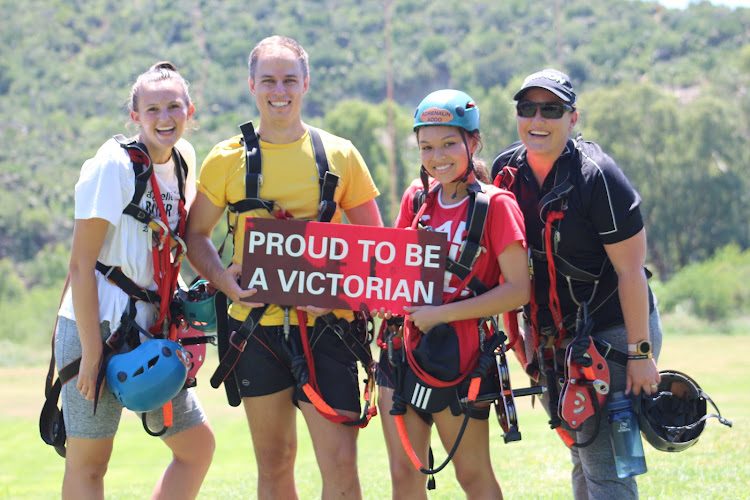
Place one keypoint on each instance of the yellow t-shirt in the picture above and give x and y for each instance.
(290, 178)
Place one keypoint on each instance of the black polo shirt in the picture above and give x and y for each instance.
(601, 208)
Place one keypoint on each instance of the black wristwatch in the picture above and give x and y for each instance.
(642, 348)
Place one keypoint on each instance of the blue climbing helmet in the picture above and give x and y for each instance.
(198, 306)
(448, 107)
(149, 376)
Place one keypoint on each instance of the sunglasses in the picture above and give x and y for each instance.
(553, 110)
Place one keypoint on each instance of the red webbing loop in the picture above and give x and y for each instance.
(565, 436)
(554, 300)
(408, 448)
(168, 414)
(408, 326)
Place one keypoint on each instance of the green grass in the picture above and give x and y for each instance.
(536, 467)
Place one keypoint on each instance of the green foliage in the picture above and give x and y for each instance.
(714, 289)
(684, 161)
(49, 268)
(28, 319)
(662, 90)
(11, 287)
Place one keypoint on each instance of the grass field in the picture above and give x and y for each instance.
(718, 467)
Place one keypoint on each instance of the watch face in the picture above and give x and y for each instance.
(644, 347)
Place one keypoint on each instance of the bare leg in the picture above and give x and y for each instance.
(406, 481)
(336, 451)
(85, 466)
(192, 451)
(273, 428)
(472, 459)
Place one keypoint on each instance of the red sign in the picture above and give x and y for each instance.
(342, 266)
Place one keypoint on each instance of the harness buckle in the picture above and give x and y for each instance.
(241, 346)
(607, 345)
(113, 340)
(161, 231)
(109, 271)
(480, 249)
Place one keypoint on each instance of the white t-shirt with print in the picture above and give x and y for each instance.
(105, 187)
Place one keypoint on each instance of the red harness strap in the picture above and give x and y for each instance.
(166, 269)
(312, 391)
(554, 300)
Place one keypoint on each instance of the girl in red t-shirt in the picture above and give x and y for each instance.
(447, 128)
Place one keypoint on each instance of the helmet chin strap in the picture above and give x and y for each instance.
(465, 176)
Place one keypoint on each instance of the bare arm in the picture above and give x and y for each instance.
(366, 214)
(628, 258)
(202, 255)
(513, 293)
(88, 238)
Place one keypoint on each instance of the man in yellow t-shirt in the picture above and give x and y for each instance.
(279, 79)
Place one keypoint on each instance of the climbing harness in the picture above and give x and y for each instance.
(356, 335)
(577, 389)
(168, 250)
(425, 365)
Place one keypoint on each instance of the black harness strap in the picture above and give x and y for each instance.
(471, 248)
(328, 181)
(605, 283)
(231, 346)
(254, 176)
(117, 277)
(144, 168)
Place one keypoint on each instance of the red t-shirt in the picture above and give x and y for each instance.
(503, 226)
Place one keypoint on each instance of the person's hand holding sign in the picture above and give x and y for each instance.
(381, 313)
(424, 317)
(227, 283)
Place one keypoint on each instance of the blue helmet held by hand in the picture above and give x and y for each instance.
(149, 376)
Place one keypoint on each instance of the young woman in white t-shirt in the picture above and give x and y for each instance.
(92, 309)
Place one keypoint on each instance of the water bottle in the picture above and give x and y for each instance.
(626, 437)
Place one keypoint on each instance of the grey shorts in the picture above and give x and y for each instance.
(80, 420)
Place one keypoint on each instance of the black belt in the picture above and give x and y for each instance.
(609, 352)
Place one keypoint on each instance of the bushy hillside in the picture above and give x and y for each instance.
(666, 91)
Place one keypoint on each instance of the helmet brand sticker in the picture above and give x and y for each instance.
(436, 115)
